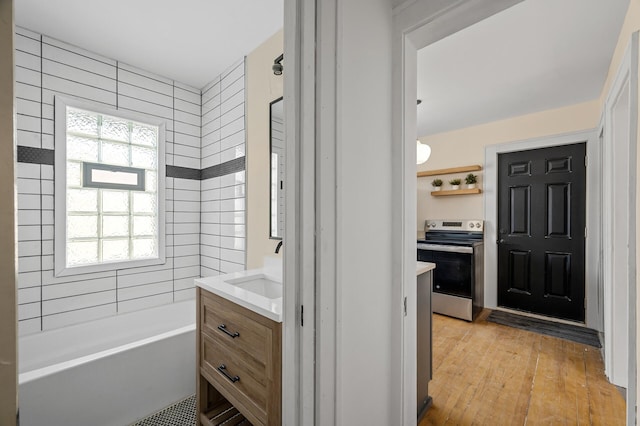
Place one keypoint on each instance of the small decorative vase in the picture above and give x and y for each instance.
(437, 188)
(455, 187)
(471, 186)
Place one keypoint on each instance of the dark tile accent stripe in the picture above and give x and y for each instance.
(233, 166)
(183, 172)
(27, 154)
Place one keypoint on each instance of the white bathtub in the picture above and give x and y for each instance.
(111, 371)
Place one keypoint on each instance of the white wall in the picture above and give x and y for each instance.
(364, 192)
(222, 243)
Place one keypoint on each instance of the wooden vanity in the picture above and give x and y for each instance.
(238, 364)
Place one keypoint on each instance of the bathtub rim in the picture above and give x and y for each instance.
(32, 375)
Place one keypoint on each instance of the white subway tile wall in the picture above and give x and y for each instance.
(205, 219)
(222, 217)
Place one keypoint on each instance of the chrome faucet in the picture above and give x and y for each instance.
(278, 247)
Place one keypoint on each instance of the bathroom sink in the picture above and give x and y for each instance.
(259, 290)
(258, 284)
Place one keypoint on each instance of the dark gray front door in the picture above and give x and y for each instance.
(541, 231)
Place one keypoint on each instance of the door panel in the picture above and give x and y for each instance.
(520, 169)
(520, 271)
(559, 165)
(541, 221)
(520, 210)
(557, 280)
(558, 210)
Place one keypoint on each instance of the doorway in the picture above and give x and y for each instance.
(490, 173)
(541, 231)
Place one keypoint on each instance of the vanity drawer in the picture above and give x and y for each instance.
(229, 374)
(222, 320)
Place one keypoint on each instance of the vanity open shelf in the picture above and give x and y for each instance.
(222, 412)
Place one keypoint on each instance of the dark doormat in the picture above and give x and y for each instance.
(583, 335)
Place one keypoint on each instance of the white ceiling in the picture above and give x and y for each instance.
(537, 55)
(191, 41)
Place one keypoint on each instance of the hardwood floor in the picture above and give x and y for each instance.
(489, 374)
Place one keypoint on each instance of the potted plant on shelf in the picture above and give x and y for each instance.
(455, 183)
(471, 180)
(437, 184)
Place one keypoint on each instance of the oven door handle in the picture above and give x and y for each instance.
(448, 249)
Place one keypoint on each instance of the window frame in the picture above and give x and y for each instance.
(88, 182)
(60, 187)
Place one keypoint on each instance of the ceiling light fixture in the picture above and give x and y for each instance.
(423, 152)
(277, 65)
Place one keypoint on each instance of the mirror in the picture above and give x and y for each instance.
(276, 150)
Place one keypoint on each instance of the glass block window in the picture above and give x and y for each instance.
(112, 209)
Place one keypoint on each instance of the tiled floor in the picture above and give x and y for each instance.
(182, 413)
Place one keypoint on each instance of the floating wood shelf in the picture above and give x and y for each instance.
(451, 170)
(456, 192)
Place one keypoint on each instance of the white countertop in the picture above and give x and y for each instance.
(270, 308)
(422, 267)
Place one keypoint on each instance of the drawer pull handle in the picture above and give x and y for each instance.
(223, 328)
(223, 370)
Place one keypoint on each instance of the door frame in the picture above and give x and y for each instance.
(416, 24)
(298, 343)
(491, 213)
(613, 154)
(627, 74)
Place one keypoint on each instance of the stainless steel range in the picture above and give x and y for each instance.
(456, 247)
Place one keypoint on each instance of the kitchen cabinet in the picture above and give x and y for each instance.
(424, 336)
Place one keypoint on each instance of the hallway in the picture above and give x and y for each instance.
(485, 373)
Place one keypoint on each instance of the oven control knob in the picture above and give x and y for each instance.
(478, 225)
(471, 225)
